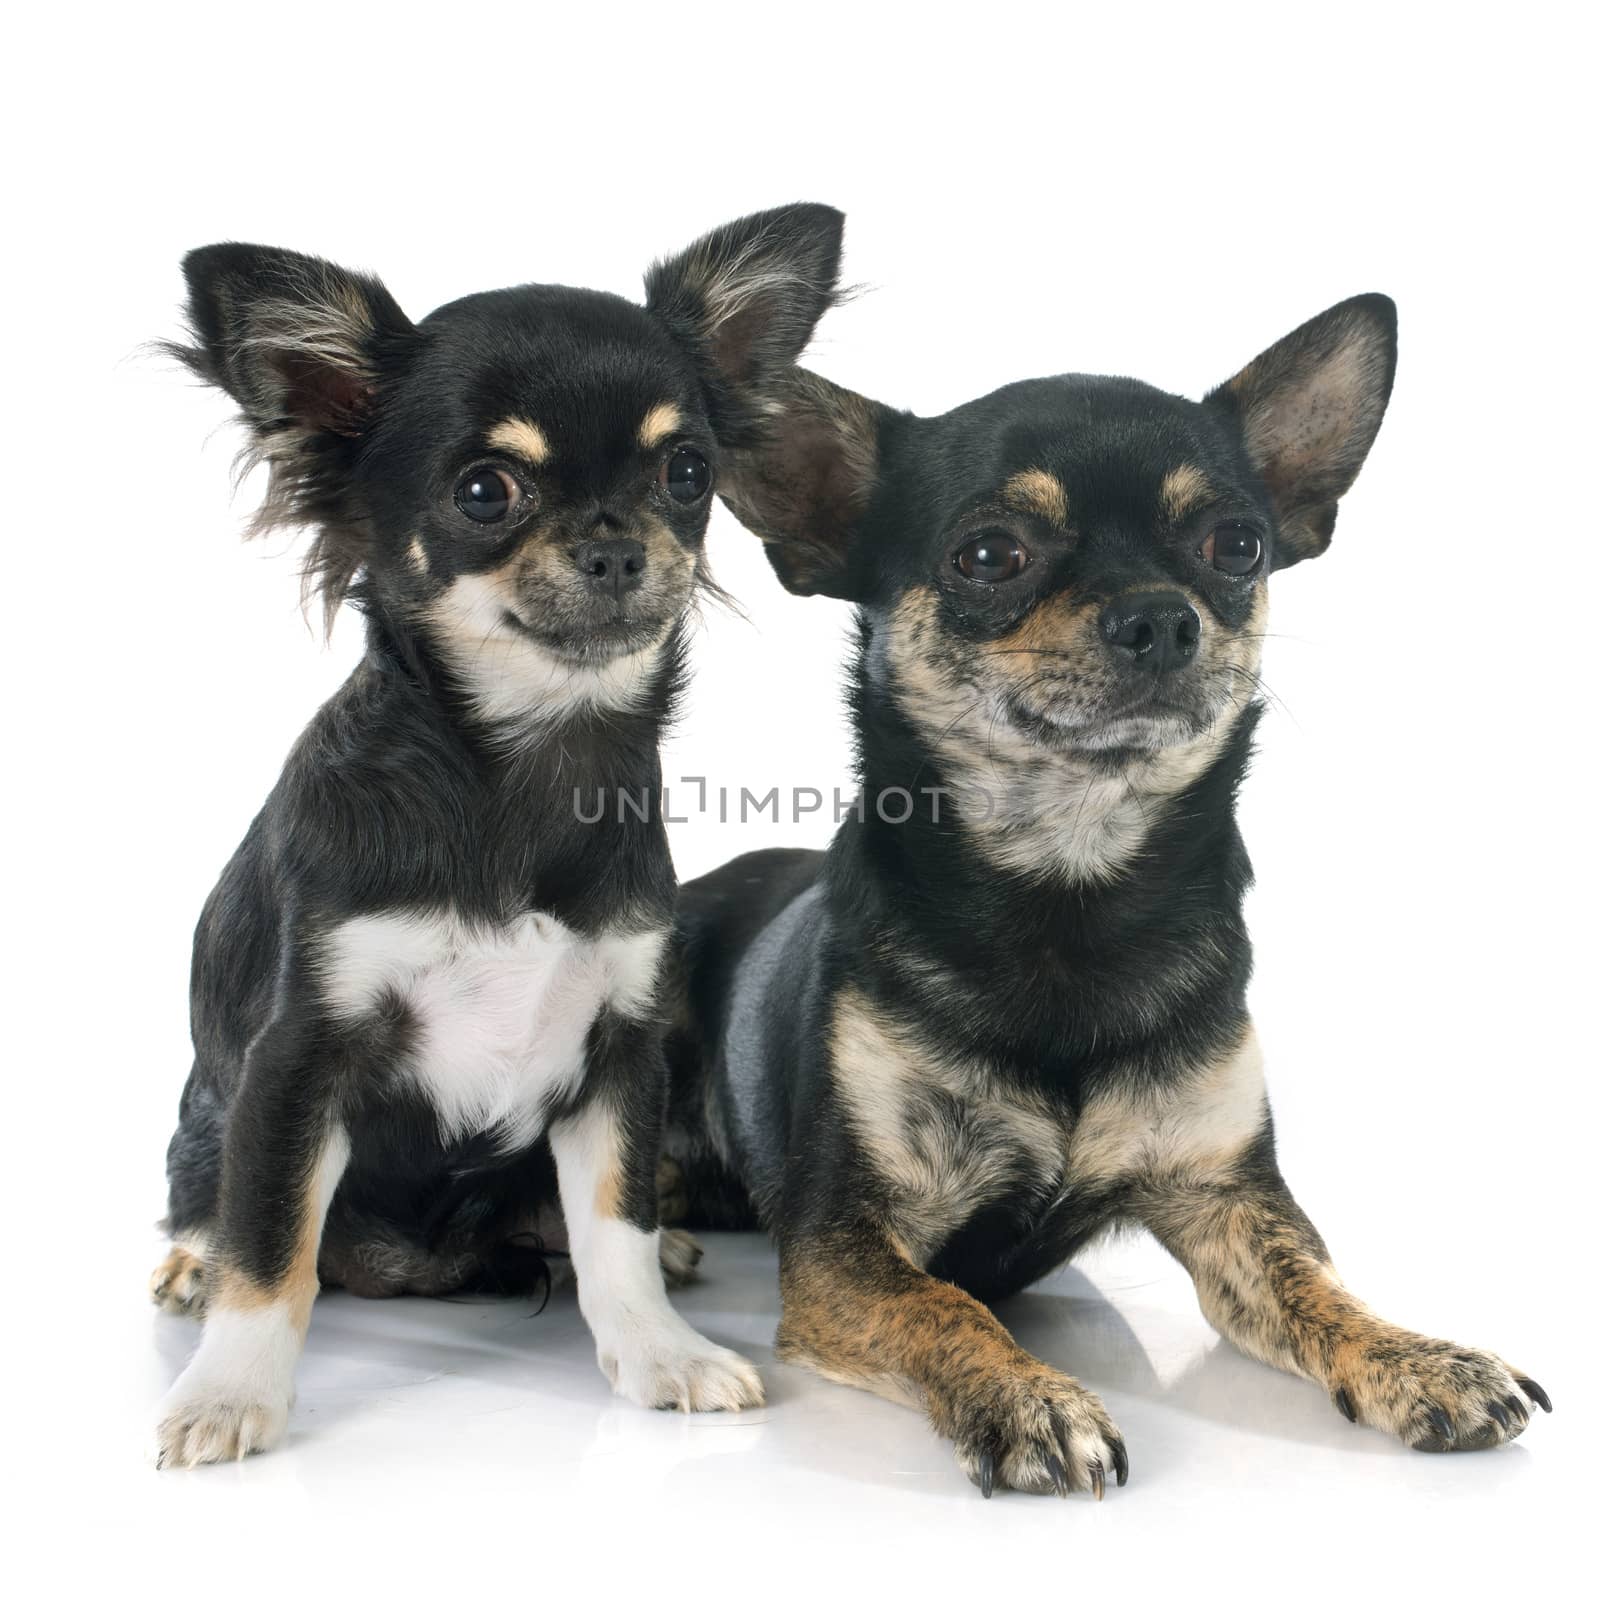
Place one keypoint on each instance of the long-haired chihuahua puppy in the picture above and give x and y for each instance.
(1006, 1010)
(423, 993)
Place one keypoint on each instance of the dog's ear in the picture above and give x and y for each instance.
(745, 299)
(1309, 409)
(302, 346)
(804, 485)
(296, 341)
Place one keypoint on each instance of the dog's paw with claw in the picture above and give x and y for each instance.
(202, 1428)
(179, 1283)
(1434, 1395)
(1039, 1431)
(674, 1369)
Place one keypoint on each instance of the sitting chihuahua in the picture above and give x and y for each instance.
(424, 992)
(1006, 1010)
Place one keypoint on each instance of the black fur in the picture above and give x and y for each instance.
(1060, 590)
(405, 795)
(1062, 988)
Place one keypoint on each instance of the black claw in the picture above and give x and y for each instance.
(1058, 1476)
(1341, 1398)
(1517, 1409)
(986, 1473)
(1535, 1393)
(1500, 1415)
(1119, 1459)
(1097, 1480)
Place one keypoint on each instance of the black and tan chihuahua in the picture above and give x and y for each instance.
(424, 991)
(1006, 1010)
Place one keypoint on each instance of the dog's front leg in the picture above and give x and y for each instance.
(282, 1159)
(606, 1151)
(857, 1310)
(1266, 1283)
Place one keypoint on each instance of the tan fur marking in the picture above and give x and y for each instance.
(1039, 492)
(1195, 1127)
(1182, 490)
(608, 1194)
(417, 556)
(297, 1288)
(521, 438)
(661, 421)
(939, 1172)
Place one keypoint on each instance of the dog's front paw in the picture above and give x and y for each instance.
(674, 1369)
(1434, 1395)
(1037, 1430)
(233, 1398)
(205, 1427)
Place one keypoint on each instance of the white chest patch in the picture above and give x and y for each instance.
(501, 1012)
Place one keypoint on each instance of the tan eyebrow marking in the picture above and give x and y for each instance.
(1182, 490)
(1040, 492)
(660, 422)
(525, 439)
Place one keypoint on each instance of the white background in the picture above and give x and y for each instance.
(1162, 195)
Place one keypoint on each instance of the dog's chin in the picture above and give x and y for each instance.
(594, 644)
(1144, 729)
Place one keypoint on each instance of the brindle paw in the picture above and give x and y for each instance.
(179, 1283)
(680, 1256)
(1039, 1431)
(1434, 1395)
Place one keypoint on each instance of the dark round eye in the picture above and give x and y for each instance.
(487, 494)
(686, 475)
(992, 557)
(1232, 548)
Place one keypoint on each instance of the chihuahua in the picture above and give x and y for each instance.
(424, 992)
(1006, 1010)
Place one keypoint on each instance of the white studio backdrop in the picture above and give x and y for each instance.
(1028, 191)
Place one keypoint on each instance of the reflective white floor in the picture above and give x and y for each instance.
(433, 1441)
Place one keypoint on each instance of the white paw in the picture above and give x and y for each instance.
(218, 1427)
(233, 1398)
(672, 1368)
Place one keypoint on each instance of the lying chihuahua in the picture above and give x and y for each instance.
(423, 994)
(1006, 1010)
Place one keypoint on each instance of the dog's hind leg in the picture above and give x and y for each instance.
(194, 1165)
(1266, 1284)
(179, 1283)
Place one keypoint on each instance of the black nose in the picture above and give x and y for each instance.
(1160, 630)
(613, 566)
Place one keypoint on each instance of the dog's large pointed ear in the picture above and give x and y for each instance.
(805, 484)
(1309, 409)
(302, 346)
(745, 299)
